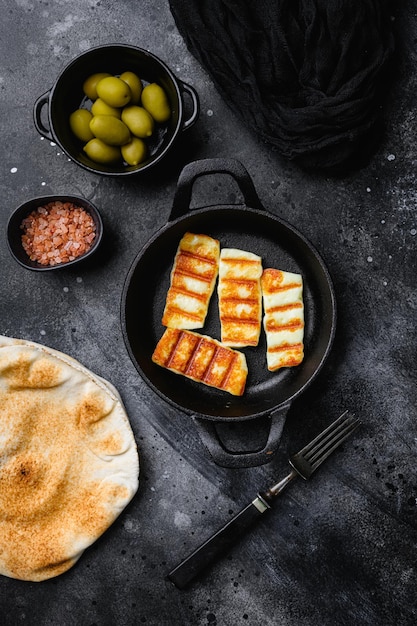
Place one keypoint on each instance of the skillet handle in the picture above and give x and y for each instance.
(191, 92)
(227, 458)
(203, 167)
(40, 103)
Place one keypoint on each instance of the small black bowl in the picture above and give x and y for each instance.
(67, 95)
(14, 231)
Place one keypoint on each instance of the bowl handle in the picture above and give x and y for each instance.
(195, 105)
(37, 110)
(227, 458)
(204, 167)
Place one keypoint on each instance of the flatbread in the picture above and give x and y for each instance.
(68, 459)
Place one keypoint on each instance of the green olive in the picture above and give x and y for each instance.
(110, 130)
(101, 152)
(99, 107)
(80, 124)
(134, 152)
(135, 85)
(155, 101)
(138, 121)
(90, 84)
(114, 91)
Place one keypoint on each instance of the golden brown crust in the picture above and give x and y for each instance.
(202, 359)
(68, 460)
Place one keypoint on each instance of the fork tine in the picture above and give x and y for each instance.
(309, 458)
(335, 444)
(321, 439)
(324, 444)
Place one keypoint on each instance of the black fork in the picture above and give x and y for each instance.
(303, 464)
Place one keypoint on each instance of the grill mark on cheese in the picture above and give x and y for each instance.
(293, 354)
(272, 325)
(206, 376)
(234, 300)
(249, 321)
(287, 287)
(229, 371)
(185, 292)
(168, 361)
(185, 314)
(238, 262)
(285, 347)
(192, 282)
(218, 354)
(189, 366)
(237, 300)
(201, 359)
(193, 255)
(201, 277)
(285, 307)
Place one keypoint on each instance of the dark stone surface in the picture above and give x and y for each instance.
(338, 550)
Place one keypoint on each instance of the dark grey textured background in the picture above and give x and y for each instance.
(339, 550)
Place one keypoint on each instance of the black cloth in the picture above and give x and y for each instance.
(309, 76)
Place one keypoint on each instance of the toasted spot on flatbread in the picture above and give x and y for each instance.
(91, 409)
(27, 373)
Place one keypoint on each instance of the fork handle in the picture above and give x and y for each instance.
(219, 543)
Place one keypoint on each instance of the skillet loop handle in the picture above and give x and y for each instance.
(203, 167)
(227, 458)
(195, 102)
(37, 116)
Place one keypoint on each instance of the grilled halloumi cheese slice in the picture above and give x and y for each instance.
(192, 281)
(283, 320)
(240, 297)
(203, 359)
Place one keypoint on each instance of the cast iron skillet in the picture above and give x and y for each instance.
(246, 226)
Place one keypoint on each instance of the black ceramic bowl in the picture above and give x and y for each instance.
(67, 95)
(14, 231)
